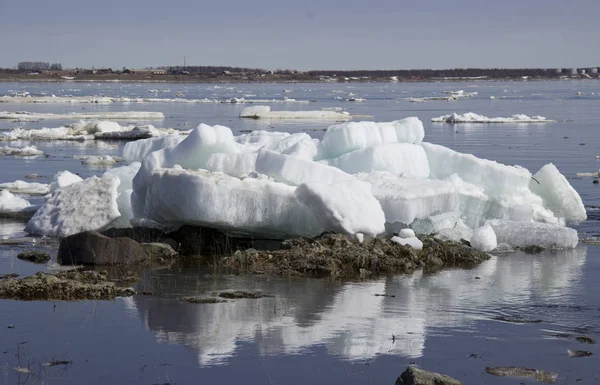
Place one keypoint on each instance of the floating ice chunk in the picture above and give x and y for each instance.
(294, 171)
(413, 242)
(232, 164)
(63, 179)
(404, 159)
(264, 112)
(546, 235)
(25, 151)
(136, 151)
(471, 117)
(124, 191)
(348, 207)
(558, 195)
(104, 160)
(343, 138)
(405, 199)
(87, 205)
(10, 203)
(22, 187)
(127, 115)
(250, 205)
(59, 133)
(493, 177)
(484, 238)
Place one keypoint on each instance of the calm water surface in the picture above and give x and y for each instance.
(321, 331)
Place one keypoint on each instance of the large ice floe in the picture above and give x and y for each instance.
(264, 112)
(363, 179)
(471, 117)
(88, 130)
(25, 116)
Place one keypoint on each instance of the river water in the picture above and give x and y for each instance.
(515, 309)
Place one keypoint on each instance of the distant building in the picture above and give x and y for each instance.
(571, 71)
(159, 72)
(102, 71)
(593, 70)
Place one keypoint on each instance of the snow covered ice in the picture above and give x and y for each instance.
(24, 116)
(546, 235)
(10, 203)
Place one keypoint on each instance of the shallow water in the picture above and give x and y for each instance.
(515, 309)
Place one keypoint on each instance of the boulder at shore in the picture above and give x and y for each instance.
(92, 248)
(416, 376)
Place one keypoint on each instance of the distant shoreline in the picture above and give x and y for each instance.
(266, 79)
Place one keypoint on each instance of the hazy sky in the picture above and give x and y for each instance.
(302, 34)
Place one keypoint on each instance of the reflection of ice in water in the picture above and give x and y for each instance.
(352, 321)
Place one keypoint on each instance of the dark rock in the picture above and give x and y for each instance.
(335, 255)
(242, 294)
(532, 249)
(157, 251)
(520, 371)
(416, 376)
(92, 248)
(8, 276)
(585, 340)
(67, 285)
(202, 300)
(34, 256)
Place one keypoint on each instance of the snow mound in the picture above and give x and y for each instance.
(22, 187)
(247, 206)
(10, 203)
(413, 242)
(558, 194)
(347, 207)
(471, 117)
(87, 205)
(264, 112)
(484, 238)
(546, 235)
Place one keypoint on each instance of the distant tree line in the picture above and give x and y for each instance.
(211, 69)
(446, 73)
(38, 66)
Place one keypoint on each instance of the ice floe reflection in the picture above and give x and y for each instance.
(357, 320)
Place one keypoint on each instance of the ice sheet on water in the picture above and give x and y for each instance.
(264, 112)
(29, 188)
(347, 207)
(24, 116)
(87, 205)
(471, 117)
(23, 151)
